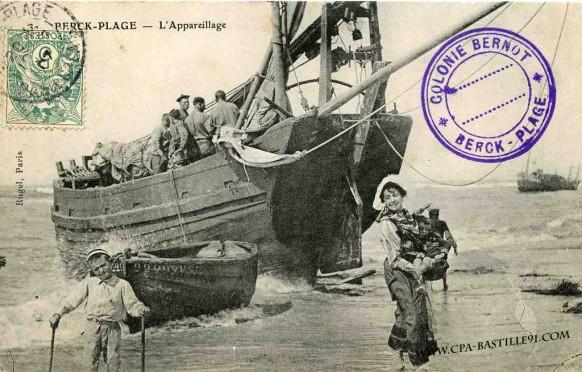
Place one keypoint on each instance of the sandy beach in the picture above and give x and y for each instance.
(106, 141)
(284, 332)
(290, 326)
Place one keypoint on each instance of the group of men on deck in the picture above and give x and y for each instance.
(184, 137)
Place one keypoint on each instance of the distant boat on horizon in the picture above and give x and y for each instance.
(538, 180)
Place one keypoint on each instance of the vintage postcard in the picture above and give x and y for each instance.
(290, 186)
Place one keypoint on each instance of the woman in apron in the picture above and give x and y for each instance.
(412, 331)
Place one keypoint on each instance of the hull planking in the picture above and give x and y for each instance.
(177, 283)
(295, 213)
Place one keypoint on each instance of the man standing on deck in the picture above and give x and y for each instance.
(201, 127)
(182, 147)
(184, 105)
(440, 227)
(159, 146)
(224, 113)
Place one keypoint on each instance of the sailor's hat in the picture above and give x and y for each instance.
(96, 251)
(182, 96)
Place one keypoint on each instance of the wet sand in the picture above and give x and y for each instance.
(291, 327)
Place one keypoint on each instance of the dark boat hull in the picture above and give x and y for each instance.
(294, 213)
(174, 288)
(545, 182)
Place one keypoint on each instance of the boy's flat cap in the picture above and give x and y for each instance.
(96, 251)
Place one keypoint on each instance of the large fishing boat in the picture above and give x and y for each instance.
(306, 213)
(539, 181)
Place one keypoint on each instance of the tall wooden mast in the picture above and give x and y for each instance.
(527, 164)
(279, 58)
(398, 63)
(325, 63)
(257, 80)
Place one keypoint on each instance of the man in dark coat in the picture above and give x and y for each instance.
(183, 148)
(159, 146)
(442, 229)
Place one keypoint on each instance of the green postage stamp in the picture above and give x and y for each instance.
(44, 81)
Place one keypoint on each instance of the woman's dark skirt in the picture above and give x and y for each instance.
(412, 332)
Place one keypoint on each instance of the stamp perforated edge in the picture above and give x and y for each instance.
(4, 91)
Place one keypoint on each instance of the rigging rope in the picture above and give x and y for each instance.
(468, 77)
(489, 60)
(553, 60)
(331, 139)
(419, 80)
(367, 117)
(293, 68)
(557, 44)
(177, 202)
(304, 102)
(289, 158)
(495, 55)
(293, 158)
(428, 177)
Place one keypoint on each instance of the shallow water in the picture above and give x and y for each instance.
(502, 234)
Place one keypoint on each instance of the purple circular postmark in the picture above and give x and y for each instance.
(488, 94)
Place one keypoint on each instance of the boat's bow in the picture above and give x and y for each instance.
(193, 279)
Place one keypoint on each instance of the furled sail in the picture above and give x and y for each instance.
(127, 159)
(262, 115)
(253, 157)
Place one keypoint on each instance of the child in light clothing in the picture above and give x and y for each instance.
(108, 299)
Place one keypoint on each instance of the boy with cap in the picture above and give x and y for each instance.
(108, 299)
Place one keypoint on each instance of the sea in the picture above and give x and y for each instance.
(504, 238)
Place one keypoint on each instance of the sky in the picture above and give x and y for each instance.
(132, 77)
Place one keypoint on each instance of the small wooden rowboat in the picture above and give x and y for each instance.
(195, 279)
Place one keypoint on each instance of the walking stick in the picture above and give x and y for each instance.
(54, 330)
(142, 344)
